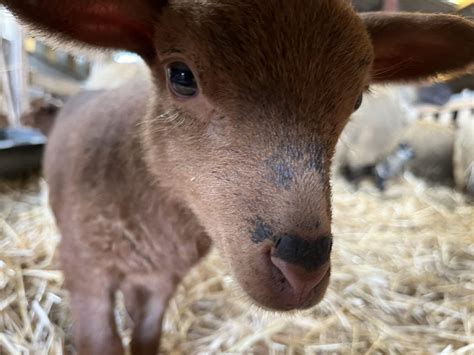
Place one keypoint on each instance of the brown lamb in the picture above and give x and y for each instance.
(230, 144)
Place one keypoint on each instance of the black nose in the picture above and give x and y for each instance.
(310, 254)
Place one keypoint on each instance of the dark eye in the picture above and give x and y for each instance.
(358, 103)
(182, 80)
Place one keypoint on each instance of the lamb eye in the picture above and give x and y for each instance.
(358, 103)
(181, 79)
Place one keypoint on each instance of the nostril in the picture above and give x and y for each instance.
(301, 280)
(327, 245)
(311, 254)
(277, 242)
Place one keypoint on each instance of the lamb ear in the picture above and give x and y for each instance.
(416, 46)
(117, 24)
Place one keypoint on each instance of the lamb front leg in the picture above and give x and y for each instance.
(146, 299)
(92, 306)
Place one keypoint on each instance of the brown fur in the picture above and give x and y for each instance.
(142, 181)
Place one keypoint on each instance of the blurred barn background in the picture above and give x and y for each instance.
(403, 279)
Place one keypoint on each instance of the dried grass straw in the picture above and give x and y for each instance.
(402, 283)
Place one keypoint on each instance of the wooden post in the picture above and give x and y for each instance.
(13, 69)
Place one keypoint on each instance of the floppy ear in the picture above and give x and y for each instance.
(117, 24)
(416, 46)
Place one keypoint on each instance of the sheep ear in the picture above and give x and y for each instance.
(416, 46)
(117, 24)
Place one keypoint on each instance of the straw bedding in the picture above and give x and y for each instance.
(402, 283)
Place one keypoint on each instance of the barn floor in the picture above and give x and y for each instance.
(402, 283)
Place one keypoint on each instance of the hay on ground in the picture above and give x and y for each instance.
(402, 283)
